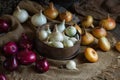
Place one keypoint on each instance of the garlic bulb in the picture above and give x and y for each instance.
(38, 19)
(73, 39)
(71, 65)
(68, 43)
(21, 14)
(57, 44)
(56, 35)
(71, 31)
(61, 26)
(43, 35)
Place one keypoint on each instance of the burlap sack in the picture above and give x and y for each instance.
(99, 9)
(31, 6)
(14, 33)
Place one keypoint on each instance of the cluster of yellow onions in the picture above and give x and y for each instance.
(99, 32)
(52, 13)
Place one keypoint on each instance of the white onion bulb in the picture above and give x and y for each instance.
(38, 19)
(61, 26)
(68, 43)
(71, 31)
(43, 35)
(71, 65)
(73, 39)
(21, 14)
(56, 35)
(57, 44)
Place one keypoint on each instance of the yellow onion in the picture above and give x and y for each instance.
(87, 22)
(117, 46)
(99, 32)
(108, 23)
(78, 28)
(67, 16)
(51, 12)
(87, 39)
(104, 44)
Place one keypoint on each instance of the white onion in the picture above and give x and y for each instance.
(43, 35)
(71, 31)
(56, 35)
(68, 43)
(38, 19)
(73, 39)
(61, 26)
(71, 65)
(21, 14)
(57, 44)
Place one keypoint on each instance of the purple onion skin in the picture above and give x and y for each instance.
(4, 26)
(10, 48)
(26, 57)
(25, 42)
(42, 65)
(2, 77)
(10, 63)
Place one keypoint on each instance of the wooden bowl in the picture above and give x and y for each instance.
(53, 52)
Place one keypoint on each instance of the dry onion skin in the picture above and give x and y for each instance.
(67, 16)
(99, 32)
(78, 28)
(87, 39)
(108, 23)
(117, 46)
(104, 44)
(88, 22)
(51, 12)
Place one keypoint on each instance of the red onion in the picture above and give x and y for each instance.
(26, 57)
(2, 77)
(42, 65)
(25, 42)
(10, 48)
(4, 25)
(11, 63)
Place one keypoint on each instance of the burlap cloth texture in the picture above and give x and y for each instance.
(99, 9)
(86, 69)
(15, 32)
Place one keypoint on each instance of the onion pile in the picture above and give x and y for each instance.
(60, 37)
(22, 55)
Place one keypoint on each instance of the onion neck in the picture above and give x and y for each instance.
(108, 16)
(51, 6)
(56, 29)
(40, 13)
(18, 8)
(92, 25)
